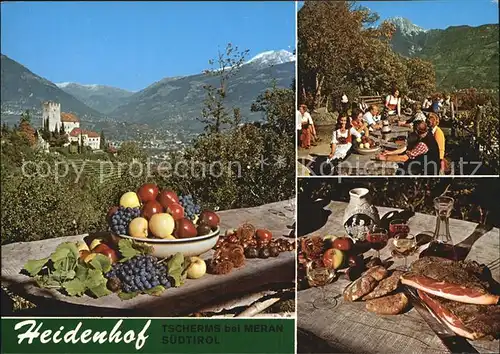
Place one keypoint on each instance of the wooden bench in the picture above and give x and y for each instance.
(369, 100)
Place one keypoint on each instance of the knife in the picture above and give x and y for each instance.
(454, 343)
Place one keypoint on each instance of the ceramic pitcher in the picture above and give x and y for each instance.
(360, 215)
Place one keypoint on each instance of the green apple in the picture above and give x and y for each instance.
(197, 268)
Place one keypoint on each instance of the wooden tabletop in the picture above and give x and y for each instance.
(190, 297)
(348, 327)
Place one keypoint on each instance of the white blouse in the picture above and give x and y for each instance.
(338, 134)
(303, 118)
(392, 100)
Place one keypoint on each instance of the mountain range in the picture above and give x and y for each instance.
(171, 100)
(463, 56)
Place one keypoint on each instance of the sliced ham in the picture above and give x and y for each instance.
(466, 320)
(452, 280)
(450, 291)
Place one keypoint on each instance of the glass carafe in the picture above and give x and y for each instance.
(442, 244)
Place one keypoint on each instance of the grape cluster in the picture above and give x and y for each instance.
(191, 209)
(140, 273)
(122, 218)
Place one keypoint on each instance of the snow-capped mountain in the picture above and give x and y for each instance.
(406, 27)
(272, 57)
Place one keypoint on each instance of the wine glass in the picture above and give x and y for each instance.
(404, 245)
(377, 238)
(319, 276)
(398, 226)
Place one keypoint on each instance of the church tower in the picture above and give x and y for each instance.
(52, 113)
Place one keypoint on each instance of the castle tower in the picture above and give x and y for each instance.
(51, 112)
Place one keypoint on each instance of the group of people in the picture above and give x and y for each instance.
(425, 144)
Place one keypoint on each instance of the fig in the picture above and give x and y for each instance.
(274, 251)
(251, 252)
(264, 253)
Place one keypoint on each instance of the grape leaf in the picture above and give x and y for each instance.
(100, 290)
(175, 268)
(45, 281)
(81, 272)
(65, 250)
(101, 262)
(142, 247)
(75, 287)
(156, 291)
(127, 250)
(127, 296)
(34, 266)
(95, 278)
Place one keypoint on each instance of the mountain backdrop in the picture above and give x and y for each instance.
(463, 56)
(170, 101)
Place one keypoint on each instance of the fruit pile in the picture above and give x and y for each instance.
(246, 242)
(366, 142)
(151, 213)
(337, 253)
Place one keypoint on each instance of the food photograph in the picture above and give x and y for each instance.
(390, 267)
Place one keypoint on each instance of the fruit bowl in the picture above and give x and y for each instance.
(163, 248)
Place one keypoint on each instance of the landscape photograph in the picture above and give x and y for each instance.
(398, 88)
(138, 144)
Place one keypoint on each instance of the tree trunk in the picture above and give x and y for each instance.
(319, 84)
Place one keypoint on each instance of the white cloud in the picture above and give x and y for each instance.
(494, 1)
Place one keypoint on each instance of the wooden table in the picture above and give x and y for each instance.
(348, 327)
(190, 297)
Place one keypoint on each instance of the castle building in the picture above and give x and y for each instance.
(51, 114)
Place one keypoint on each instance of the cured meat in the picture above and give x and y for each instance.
(466, 320)
(386, 286)
(359, 288)
(388, 305)
(452, 280)
(377, 272)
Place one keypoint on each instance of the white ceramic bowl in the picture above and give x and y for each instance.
(193, 246)
(368, 151)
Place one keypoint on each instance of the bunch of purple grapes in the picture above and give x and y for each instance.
(140, 273)
(191, 209)
(122, 218)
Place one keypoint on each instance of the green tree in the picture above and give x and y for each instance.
(420, 78)
(102, 145)
(26, 117)
(214, 113)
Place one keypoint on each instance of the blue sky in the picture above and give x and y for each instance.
(133, 44)
(434, 14)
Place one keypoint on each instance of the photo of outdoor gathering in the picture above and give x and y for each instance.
(398, 88)
(406, 267)
(135, 182)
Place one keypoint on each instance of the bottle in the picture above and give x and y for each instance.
(442, 244)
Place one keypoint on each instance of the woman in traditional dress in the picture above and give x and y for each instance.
(342, 139)
(393, 103)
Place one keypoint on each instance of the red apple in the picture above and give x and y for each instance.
(147, 192)
(264, 235)
(209, 218)
(343, 243)
(176, 210)
(167, 197)
(106, 251)
(333, 258)
(151, 208)
(184, 228)
(356, 261)
(110, 214)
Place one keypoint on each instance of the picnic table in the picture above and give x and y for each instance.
(355, 164)
(350, 328)
(190, 297)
